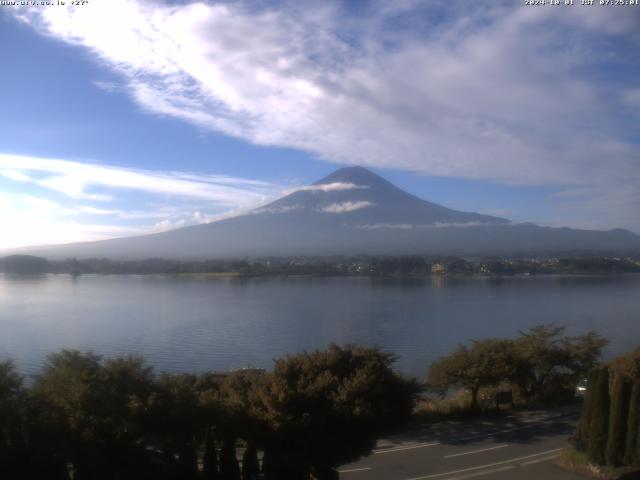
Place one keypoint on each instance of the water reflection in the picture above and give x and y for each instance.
(198, 323)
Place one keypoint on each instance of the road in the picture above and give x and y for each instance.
(502, 449)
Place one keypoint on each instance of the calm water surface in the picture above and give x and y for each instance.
(198, 324)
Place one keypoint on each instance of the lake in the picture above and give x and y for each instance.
(204, 323)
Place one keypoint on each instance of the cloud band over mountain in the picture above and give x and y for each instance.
(488, 91)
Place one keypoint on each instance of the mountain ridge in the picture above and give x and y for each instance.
(350, 211)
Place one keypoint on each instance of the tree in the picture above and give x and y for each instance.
(618, 418)
(229, 468)
(175, 420)
(243, 413)
(628, 364)
(96, 410)
(210, 458)
(250, 464)
(327, 408)
(583, 352)
(550, 365)
(10, 391)
(485, 363)
(633, 422)
(587, 410)
(598, 431)
(24, 264)
(11, 446)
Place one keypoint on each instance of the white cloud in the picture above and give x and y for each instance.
(27, 220)
(395, 226)
(108, 87)
(346, 207)
(77, 179)
(15, 175)
(178, 199)
(333, 187)
(411, 226)
(284, 209)
(31, 220)
(632, 97)
(492, 91)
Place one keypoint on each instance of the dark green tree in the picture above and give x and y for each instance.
(599, 425)
(633, 423)
(11, 446)
(250, 464)
(329, 407)
(629, 364)
(229, 468)
(618, 418)
(188, 462)
(485, 363)
(210, 458)
(175, 419)
(587, 410)
(243, 413)
(550, 364)
(96, 410)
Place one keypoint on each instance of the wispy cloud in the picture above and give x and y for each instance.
(108, 87)
(16, 175)
(27, 219)
(333, 187)
(482, 100)
(63, 205)
(77, 179)
(345, 207)
(283, 209)
(411, 226)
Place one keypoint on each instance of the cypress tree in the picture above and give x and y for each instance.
(250, 464)
(637, 449)
(188, 462)
(272, 463)
(618, 418)
(598, 429)
(229, 468)
(633, 424)
(587, 410)
(269, 462)
(210, 459)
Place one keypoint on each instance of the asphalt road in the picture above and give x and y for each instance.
(504, 449)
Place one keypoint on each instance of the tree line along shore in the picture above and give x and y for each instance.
(88, 417)
(403, 266)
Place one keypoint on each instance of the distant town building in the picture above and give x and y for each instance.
(439, 268)
(250, 370)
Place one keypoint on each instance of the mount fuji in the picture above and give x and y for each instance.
(352, 211)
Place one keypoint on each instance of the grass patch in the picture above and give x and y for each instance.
(576, 460)
(455, 406)
(209, 274)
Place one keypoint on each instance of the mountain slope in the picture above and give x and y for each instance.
(352, 211)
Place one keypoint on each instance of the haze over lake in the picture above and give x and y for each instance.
(202, 323)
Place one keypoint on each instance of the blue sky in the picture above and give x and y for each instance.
(131, 117)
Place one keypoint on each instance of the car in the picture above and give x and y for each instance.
(581, 388)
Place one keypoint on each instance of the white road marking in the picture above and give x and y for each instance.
(476, 451)
(351, 470)
(539, 460)
(466, 439)
(409, 447)
(486, 472)
(479, 467)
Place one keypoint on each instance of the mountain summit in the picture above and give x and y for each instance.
(363, 199)
(351, 211)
